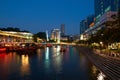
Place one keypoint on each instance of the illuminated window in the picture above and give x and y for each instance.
(108, 9)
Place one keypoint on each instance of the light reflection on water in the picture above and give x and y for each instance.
(47, 53)
(101, 76)
(25, 66)
(57, 60)
(56, 51)
(48, 62)
(97, 74)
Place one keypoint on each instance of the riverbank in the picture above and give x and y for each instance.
(107, 53)
(115, 54)
(108, 65)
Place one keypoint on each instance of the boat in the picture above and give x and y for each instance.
(49, 45)
(63, 50)
(2, 49)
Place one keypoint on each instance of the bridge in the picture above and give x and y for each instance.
(61, 43)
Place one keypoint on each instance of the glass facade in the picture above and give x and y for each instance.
(85, 24)
(103, 6)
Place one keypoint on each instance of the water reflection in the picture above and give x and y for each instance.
(56, 51)
(57, 60)
(47, 53)
(8, 65)
(48, 64)
(83, 63)
(39, 54)
(101, 76)
(38, 51)
(94, 70)
(97, 74)
(25, 67)
(47, 61)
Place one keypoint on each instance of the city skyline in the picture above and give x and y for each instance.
(36, 16)
(60, 40)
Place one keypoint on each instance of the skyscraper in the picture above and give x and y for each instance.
(85, 24)
(103, 6)
(62, 29)
(104, 10)
(55, 35)
(90, 19)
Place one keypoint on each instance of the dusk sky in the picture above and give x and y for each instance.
(41, 15)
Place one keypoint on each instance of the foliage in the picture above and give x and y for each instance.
(13, 29)
(41, 35)
(10, 29)
(35, 38)
(108, 35)
(52, 41)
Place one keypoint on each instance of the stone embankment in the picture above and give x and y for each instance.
(108, 65)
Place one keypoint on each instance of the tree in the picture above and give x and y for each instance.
(41, 35)
(118, 17)
(13, 29)
(35, 38)
(108, 35)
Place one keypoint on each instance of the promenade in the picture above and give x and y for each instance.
(108, 65)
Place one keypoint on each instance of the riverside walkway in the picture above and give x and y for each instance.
(109, 66)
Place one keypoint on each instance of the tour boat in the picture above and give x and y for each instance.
(48, 45)
(2, 49)
(63, 50)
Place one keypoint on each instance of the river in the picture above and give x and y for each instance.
(48, 64)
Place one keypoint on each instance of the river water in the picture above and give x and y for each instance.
(48, 64)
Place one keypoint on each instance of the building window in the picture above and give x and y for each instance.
(107, 9)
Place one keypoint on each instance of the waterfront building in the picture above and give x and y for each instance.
(104, 22)
(64, 38)
(76, 37)
(90, 20)
(85, 24)
(8, 38)
(52, 35)
(55, 35)
(103, 6)
(104, 10)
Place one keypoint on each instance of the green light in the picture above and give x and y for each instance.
(107, 9)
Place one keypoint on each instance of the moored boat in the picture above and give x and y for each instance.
(2, 49)
(63, 50)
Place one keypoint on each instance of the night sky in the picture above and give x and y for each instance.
(41, 15)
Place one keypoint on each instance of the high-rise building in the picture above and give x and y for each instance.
(103, 6)
(85, 24)
(55, 35)
(104, 10)
(90, 19)
(62, 29)
(52, 35)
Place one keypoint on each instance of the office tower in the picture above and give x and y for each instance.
(62, 29)
(55, 35)
(90, 19)
(85, 24)
(103, 6)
